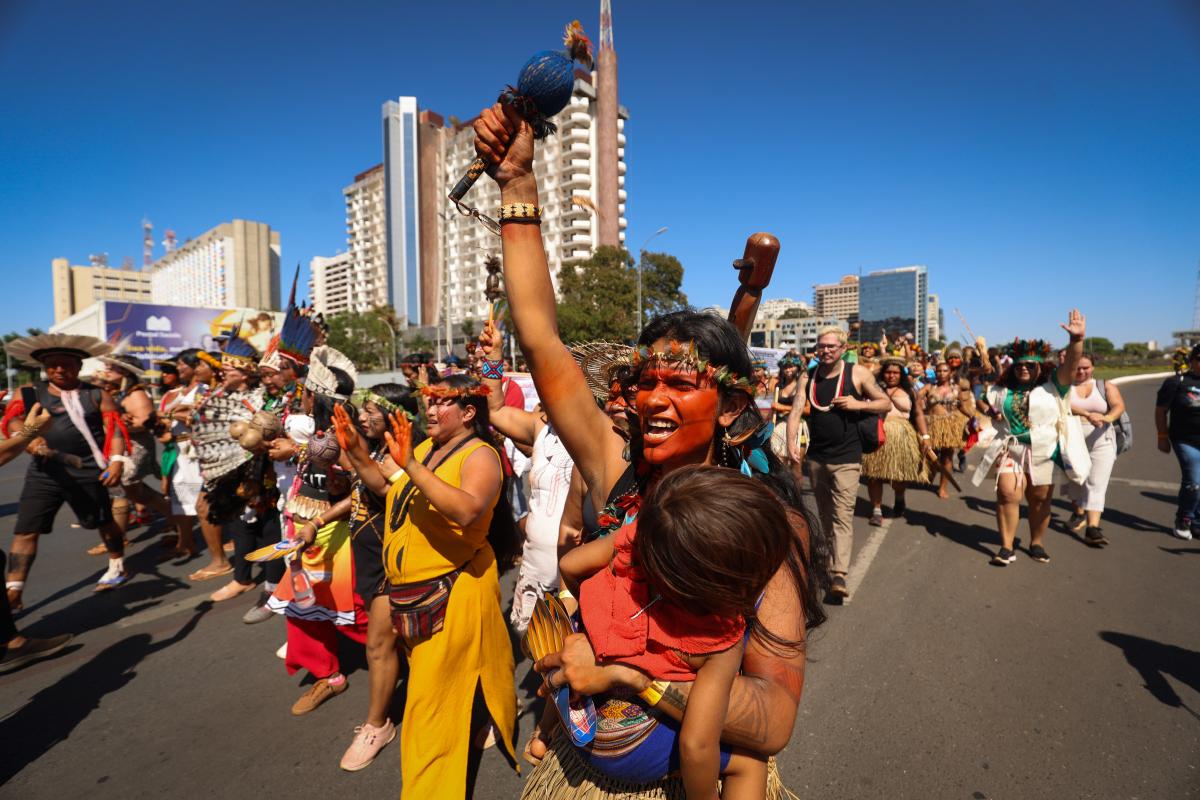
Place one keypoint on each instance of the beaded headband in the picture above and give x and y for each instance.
(367, 396)
(685, 354)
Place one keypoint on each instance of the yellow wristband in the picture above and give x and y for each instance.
(395, 476)
(565, 594)
(654, 692)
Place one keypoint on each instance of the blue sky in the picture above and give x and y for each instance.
(1034, 155)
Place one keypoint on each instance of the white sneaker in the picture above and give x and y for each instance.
(1182, 533)
(113, 577)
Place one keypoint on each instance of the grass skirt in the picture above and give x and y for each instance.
(563, 775)
(900, 457)
(947, 431)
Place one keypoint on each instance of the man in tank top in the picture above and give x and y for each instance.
(837, 394)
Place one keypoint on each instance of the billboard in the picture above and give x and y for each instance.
(151, 332)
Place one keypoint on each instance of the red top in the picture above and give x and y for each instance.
(610, 601)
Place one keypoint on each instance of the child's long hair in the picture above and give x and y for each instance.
(709, 539)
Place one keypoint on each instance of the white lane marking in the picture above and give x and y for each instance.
(865, 556)
(165, 610)
(1146, 484)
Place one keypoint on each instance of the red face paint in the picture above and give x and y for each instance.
(677, 414)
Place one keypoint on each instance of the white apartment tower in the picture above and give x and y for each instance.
(333, 285)
(366, 242)
(567, 175)
(234, 265)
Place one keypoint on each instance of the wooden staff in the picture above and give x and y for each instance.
(754, 273)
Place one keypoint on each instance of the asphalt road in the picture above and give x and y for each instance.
(943, 677)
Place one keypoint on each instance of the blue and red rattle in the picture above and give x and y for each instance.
(543, 89)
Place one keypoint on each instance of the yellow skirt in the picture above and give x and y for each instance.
(900, 457)
(946, 431)
(471, 650)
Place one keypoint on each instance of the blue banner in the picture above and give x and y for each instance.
(153, 332)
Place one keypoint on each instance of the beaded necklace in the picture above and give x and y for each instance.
(812, 389)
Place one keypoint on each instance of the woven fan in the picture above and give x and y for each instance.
(549, 627)
(598, 361)
(219, 453)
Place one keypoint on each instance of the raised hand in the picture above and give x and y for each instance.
(399, 439)
(491, 342)
(344, 429)
(1076, 325)
(505, 139)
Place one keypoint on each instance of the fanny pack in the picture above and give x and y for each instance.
(419, 609)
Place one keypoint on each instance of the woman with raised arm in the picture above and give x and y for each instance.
(692, 406)
(448, 523)
(1027, 408)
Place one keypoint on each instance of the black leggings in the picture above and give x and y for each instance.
(248, 537)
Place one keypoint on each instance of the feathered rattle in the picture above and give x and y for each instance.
(543, 89)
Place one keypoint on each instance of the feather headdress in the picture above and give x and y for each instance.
(320, 378)
(296, 338)
(1037, 350)
(237, 353)
(32, 350)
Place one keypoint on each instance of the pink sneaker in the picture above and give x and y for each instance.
(368, 741)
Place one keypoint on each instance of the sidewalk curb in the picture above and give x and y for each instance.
(1148, 376)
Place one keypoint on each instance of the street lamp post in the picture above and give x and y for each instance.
(391, 349)
(642, 255)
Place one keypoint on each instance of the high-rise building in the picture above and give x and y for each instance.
(333, 284)
(936, 320)
(77, 287)
(235, 264)
(402, 204)
(366, 241)
(837, 300)
(896, 302)
(568, 179)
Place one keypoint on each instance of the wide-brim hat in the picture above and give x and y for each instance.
(33, 350)
(117, 362)
(599, 362)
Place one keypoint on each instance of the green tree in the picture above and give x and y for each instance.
(468, 328)
(1100, 346)
(598, 297)
(1136, 349)
(364, 338)
(795, 313)
(419, 343)
(662, 275)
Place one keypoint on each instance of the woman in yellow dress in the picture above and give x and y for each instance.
(448, 521)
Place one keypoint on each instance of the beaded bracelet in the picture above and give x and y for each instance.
(492, 370)
(28, 431)
(520, 212)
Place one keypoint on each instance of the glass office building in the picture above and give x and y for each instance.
(895, 301)
(401, 208)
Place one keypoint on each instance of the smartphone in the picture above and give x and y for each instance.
(28, 397)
